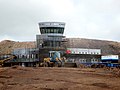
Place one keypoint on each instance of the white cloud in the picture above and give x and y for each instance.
(6, 37)
(98, 19)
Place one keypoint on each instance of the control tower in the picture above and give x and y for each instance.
(51, 38)
(51, 35)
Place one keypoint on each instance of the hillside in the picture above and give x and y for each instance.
(107, 47)
(7, 46)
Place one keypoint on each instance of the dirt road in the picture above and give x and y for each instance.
(40, 78)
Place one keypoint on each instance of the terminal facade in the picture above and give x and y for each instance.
(83, 55)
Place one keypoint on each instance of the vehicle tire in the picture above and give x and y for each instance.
(56, 64)
(45, 64)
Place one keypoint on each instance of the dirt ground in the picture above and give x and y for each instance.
(53, 78)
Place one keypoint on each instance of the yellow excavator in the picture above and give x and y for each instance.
(4, 58)
(54, 60)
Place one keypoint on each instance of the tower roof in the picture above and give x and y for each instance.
(52, 24)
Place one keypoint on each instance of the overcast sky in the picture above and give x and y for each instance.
(93, 19)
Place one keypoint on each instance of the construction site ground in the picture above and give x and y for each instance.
(58, 78)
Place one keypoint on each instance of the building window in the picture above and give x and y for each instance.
(82, 52)
(55, 30)
(48, 30)
(59, 30)
(43, 31)
(62, 30)
(92, 53)
(52, 31)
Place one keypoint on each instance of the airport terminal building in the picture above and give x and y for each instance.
(50, 39)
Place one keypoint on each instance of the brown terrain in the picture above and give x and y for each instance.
(54, 78)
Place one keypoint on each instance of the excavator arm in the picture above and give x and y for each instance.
(2, 61)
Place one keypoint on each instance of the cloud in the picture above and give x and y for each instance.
(84, 18)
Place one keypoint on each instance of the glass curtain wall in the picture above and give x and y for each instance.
(52, 43)
(57, 30)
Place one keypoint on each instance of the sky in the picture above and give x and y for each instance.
(92, 19)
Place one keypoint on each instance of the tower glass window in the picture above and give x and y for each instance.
(53, 33)
(58, 30)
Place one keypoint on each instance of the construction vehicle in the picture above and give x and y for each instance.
(54, 60)
(4, 58)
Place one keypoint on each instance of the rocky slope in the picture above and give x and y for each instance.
(7, 46)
